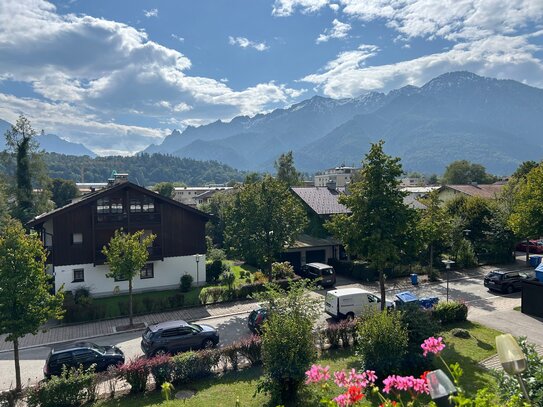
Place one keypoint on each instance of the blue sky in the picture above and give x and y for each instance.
(119, 75)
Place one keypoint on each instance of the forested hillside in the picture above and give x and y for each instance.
(143, 169)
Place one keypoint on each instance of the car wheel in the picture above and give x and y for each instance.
(208, 344)
(510, 289)
(159, 352)
(350, 316)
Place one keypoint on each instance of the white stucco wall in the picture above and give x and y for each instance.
(167, 274)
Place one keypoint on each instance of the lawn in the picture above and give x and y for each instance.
(224, 390)
(239, 269)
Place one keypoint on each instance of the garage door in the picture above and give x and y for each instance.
(294, 258)
(315, 256)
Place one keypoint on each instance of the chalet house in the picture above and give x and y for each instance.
(485, 191)
(75, 234)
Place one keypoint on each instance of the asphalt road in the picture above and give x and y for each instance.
(488, 308)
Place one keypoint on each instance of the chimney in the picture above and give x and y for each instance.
(120, 178)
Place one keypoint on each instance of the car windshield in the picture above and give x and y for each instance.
(494, 275)
(196, 327)
(327, 272)
(148, 334)
(99, 348)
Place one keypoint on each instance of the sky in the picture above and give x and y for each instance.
(120, 75)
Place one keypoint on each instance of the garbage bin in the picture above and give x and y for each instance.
(535, 260)
(414, 279)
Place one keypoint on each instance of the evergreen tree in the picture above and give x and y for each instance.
(63, 191)
(286, 172)
(25, 301)
(380, 226)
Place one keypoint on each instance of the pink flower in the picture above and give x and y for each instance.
(317, 374)
(340, 378)
(433, 345)
(342, 400)
(371, 376)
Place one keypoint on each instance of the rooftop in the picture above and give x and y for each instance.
(488, 191)
(322, 200)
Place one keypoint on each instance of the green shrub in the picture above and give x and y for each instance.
(281, 271)
(420, 324)
(161, 368)
(177, 300)
(82, 296)
(209, 295)
(465, 254)
(213, 271)
(228, 278)
(449, 312)
(189, 366)
(383, 342)
(186, 282)
(248, 290)
(74, 387)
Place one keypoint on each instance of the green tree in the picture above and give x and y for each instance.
(380, 226)
(25, 301)
(263, 219)
(63, 191)
(434, 225)
(292, 314)
(164, 188)
(524, 169)
(465, 172)
(286, 171)
(217, 206)
(126, 255)
(526, 219)
(4, 210)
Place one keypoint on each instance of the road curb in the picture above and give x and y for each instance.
(117, 333)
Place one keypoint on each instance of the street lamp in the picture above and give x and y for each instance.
(441, 387)
(197, 257)
(447, 263)
(512, 359)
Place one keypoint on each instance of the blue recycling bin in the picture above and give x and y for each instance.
(535, 261)
(414, 279)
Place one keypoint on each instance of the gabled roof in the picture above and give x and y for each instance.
(322, 200)
(488, 191)
(93, 196)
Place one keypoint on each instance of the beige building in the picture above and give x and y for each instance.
(339, 176)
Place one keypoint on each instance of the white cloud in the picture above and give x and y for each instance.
(178, 38)
(150, 13)
(334, 7)
(283, 8)
(338, 30)
(496, 56)
(93, 70)
(246, 43)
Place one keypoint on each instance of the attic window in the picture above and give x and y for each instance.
(102, 205)
(117, 205)
(148, 205)
(135, 205)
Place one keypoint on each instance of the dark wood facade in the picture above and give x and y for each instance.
(80, 230)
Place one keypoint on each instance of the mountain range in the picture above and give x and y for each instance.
(458, 115)
(50, 143)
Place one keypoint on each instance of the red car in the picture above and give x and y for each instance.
(534, 246)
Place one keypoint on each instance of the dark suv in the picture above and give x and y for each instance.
(506, 281)
(177, 336)
(83, 354)
(322, 273)
(256, 320)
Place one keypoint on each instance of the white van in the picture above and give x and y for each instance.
(352, 302)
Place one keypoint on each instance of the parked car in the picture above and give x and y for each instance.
(323, 273)
(177, 336)
(534, 246)
(351, 302)
(83, 354)
(507, 281)
(408, 299)
(256, 319)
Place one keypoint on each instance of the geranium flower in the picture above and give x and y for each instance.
(433, 345)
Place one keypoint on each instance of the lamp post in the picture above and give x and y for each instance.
(512, 359)
(197, 257)
(441, 388)
(447, 263)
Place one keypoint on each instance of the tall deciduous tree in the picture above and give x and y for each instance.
(262, 220)
(465, 172)
(380, 224)
(434, 224)
(286, 171)
(526, 219)
(165, 189)
(25, 301)
(63, 191)
(126, 255)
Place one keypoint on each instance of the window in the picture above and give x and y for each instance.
(102, 205)
(77, 238)
(135, 206)
(116, 205)
(148, 204)
(79, 276)
(147, 271)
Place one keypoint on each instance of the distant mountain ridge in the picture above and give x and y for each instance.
(458, 115)
(51, 143)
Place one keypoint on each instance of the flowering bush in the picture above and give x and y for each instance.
(135, 373)
(161, 368)
(251, 349)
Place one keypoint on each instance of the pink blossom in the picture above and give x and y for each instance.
(371, 376)
(340, 378)
(317, 374)
(433, 345)
(342, 400)
(405, 383)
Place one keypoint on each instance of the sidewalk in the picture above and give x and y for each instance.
(105, 328)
